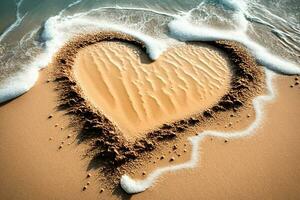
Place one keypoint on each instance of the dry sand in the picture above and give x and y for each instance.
(139, 95)
(31, 164)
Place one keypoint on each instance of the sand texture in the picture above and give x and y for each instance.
(264, 166)
(40, 157)
(227, 85)
(138, 94)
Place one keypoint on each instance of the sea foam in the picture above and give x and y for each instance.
(20, 83)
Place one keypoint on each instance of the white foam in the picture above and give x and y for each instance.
(132, 186)
(18, 84)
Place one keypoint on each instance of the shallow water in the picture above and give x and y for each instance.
(32, 31)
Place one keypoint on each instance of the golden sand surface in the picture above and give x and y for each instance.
(138, 94)
(40, 157)
(264, 166)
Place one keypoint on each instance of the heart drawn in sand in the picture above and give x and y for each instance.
(138, 94)
(127, 105)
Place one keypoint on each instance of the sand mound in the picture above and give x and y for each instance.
(139, 95)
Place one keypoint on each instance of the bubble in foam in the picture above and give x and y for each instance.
(132, 186)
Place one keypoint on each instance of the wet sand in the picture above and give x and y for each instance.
(138, 94)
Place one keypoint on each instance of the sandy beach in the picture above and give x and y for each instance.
(33, 167)
(43, 156)
(142, 100)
